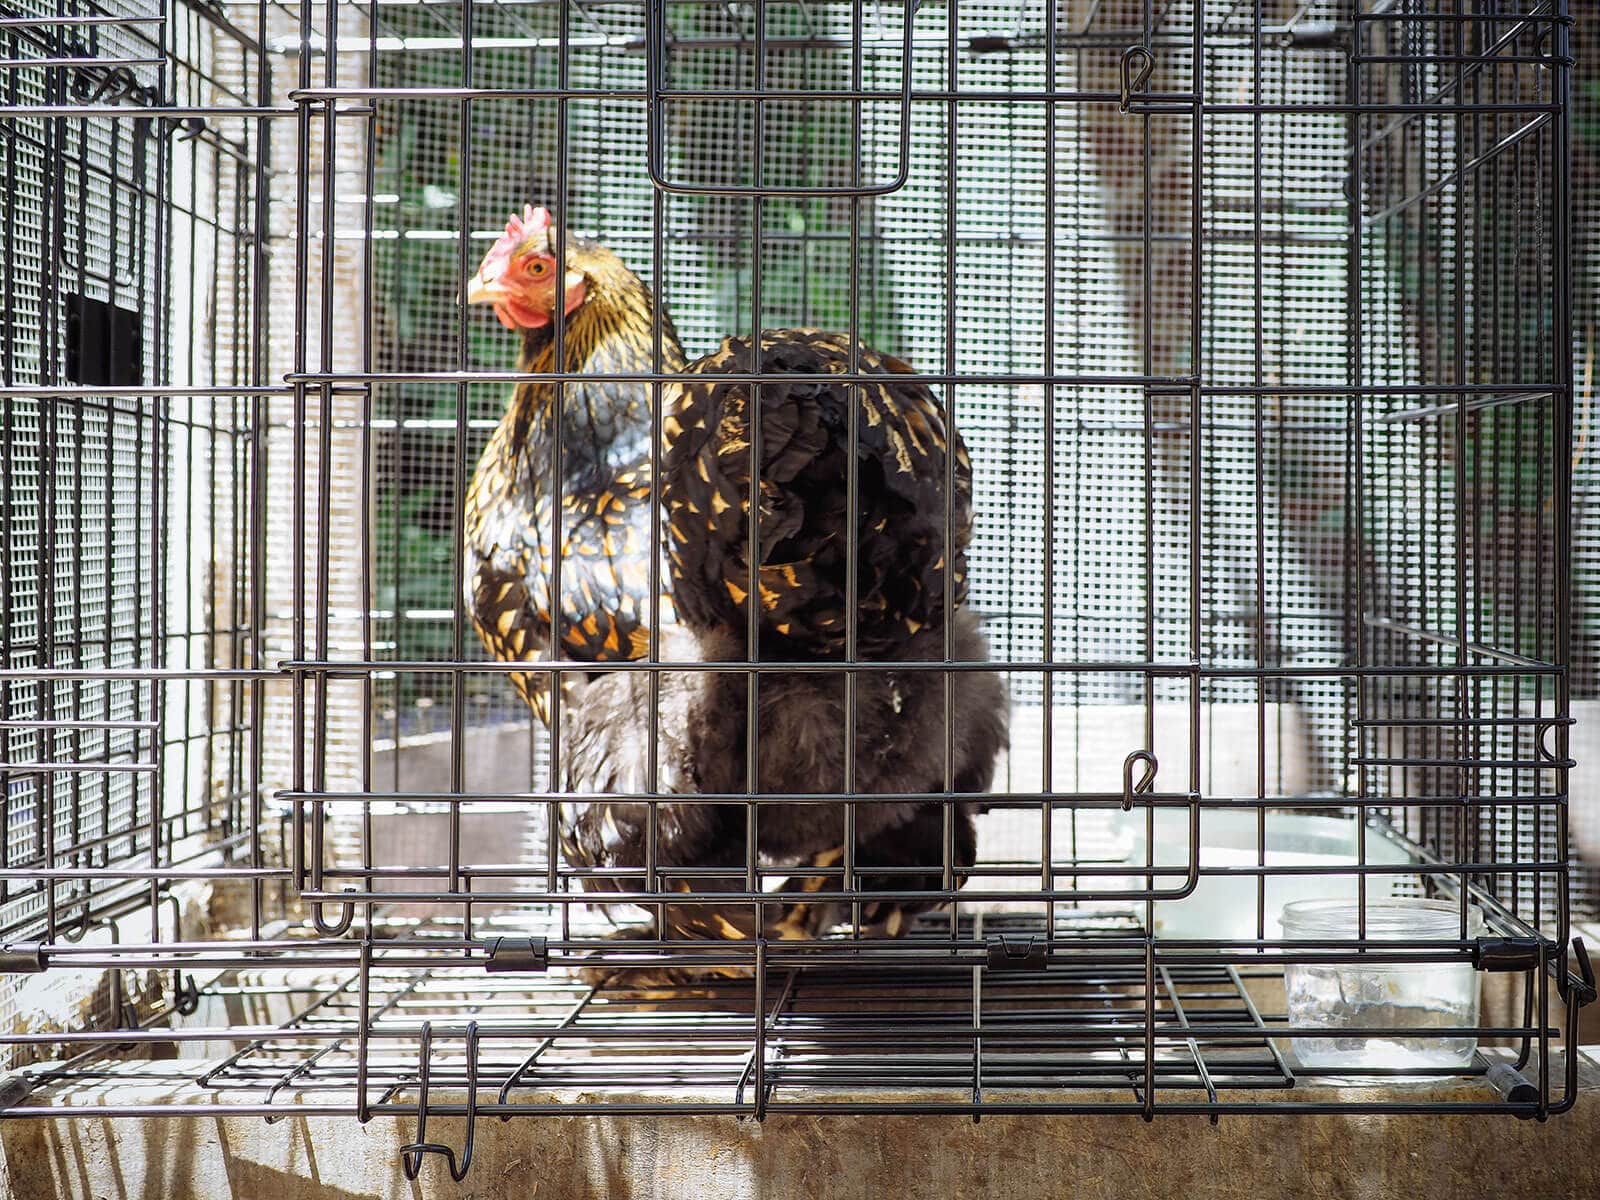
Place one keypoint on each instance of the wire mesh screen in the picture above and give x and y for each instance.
(125, 571)
(1254, 321)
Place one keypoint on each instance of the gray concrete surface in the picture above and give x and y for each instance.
(1358, 1157)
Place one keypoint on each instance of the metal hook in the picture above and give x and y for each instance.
(114, 86)
(185, 995)
(1147, 781)
(411, 1154)
(1542, 733)
(124, 1012)
(347, 916)
(1134, 79)
(84, 922)
(188, 128)
(1541, 747)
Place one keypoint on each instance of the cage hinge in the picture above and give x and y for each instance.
(1506, 954)
(24, 958)
(14, 1089)
(517, 954)
(1315, 35)
(312, 45)
(1026, 953)
(1512, 1085)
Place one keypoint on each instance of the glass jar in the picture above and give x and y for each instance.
(1392, 996)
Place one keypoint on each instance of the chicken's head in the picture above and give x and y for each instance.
(518, 275)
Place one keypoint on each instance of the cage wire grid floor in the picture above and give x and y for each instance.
(1025, 1024)
(926, 1037)
(1262, 500)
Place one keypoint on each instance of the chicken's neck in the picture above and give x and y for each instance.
(605, 423)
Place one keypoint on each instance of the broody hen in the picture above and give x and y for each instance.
(603, 436)
(900, 526)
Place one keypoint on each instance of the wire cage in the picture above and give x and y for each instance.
(1256, 319)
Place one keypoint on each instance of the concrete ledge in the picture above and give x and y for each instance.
(1360, 1157)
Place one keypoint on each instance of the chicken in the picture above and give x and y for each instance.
(604, 462)
(703, 715)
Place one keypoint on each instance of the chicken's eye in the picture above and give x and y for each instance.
(538, 268)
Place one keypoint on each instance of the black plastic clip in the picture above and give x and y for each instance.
(411, 1153)
(23, 958)
(1512, 1085)
(1577, 990)
(14, 1090)
(1315, 35)
(1506, 954)
(1025, 953)
(517, 954)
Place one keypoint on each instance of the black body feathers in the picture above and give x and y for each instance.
(912, 523)
(901, 485)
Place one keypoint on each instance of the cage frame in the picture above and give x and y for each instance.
(1153, 970)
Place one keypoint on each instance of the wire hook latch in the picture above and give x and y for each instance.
(1134, 78)
(411, 1153)
(1147, 781)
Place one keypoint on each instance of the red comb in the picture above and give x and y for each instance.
(518, 227)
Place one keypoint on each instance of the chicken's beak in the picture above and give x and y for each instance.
(480, 290)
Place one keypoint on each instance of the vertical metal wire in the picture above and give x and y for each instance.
(366, 495)
(366, 498)
(1355, 554)
(1258, 404)
(652, 762)
(260, 329)
(1196, 368)
(50, 299)
(1048, 583)
(852, 505)
(161, 453)
(557, 428)
(947, 880)
(459, 479)
(1147, 342)
(952, 216)
(297, 584)
(1561, 338)
(752, 882)
(8, 499)
(1464, 528)
(321, 712)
